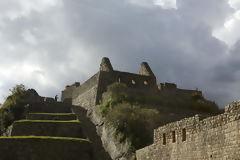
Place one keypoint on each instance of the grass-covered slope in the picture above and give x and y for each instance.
(136, 114)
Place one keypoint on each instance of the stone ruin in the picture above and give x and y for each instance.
(90, 92)
(197, 138)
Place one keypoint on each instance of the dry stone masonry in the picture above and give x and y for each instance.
(90, 92)
(89, 95)
(197, 138)
(50, 132)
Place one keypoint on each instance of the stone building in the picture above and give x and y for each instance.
(197, 138)
(90, 92)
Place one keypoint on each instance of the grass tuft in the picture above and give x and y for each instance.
(46, 121)
(55, 114)
(46, 137)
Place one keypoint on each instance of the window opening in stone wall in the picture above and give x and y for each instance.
(184, 136)
(164, 139)
(133, 82)
(173, 137)
(145, 83)
(119, 80)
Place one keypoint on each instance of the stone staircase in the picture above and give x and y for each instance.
(50, 132)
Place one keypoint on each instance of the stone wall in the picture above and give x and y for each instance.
(49, 107)
(68, 91)
(195, 138)
(86, 94)
(133, 81)
(90, 92)
(170, 90)
(47, 148)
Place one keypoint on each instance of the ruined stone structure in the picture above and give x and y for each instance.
(197, 138)
(57, 130)
(50, 131)
(90, 92)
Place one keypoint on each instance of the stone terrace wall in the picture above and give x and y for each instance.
(215, 137)
(86, 94)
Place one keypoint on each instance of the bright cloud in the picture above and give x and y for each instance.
(229, 32)
(166, 4)
(47, 44)
(14, 9)
(234, 4)
(29, 37)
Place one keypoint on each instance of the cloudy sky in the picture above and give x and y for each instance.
(47, 44)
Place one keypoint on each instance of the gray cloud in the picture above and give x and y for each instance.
(49, 48)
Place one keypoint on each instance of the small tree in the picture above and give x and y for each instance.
(19, 89)
(13, 109)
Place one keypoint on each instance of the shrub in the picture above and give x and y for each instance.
(13, 109)
(134, 123)
(118, 91)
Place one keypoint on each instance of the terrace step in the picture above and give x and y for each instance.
(44, 148)
(47, 128)
(52, 116)
(47, 107)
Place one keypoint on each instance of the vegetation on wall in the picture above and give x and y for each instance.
(12, 109)
(125, 110)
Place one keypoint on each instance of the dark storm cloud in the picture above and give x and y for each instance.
(66, 42)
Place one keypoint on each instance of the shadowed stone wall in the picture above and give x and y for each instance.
(20, 148)
(195, 138)
(86, 94)
(67, 93)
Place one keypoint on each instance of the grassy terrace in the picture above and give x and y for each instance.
(55, 114)
(45, 137)
(53, 121)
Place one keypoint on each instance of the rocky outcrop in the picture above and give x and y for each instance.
(107, 133)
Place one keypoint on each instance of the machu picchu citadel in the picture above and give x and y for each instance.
(81, 126)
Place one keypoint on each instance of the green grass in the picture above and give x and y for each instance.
(55, 114)
(45, 137)
(126, 110)
(51, 121)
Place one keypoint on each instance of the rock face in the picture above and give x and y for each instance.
(107, 133)
(197, 138)
(89, 94)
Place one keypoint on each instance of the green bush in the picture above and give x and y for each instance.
(13, 109)
(134, 123)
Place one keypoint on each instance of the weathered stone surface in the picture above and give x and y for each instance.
(41, 128)
(146, 70)
(67, 93)
(40, 148)
(90, 130)
(49, 107)
(107, 133)
(89, 96)
(49, 116)
(106, 65)
(216, 137)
